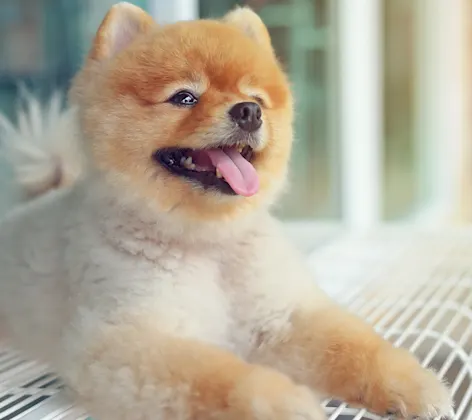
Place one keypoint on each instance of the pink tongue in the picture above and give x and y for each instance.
(237, 171)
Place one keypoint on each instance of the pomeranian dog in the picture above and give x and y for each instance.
(144, 265)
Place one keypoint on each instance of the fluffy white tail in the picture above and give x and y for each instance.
(43, 146)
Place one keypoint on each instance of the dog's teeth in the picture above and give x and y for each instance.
(240, 148)
(187, 162)
(218, 173)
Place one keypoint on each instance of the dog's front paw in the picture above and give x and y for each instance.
(405, 389)
(268, 395)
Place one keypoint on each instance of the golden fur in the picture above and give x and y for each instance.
(118, 93)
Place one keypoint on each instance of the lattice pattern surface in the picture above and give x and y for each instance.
(415, 287)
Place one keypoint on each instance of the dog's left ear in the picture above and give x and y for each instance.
(251, 24)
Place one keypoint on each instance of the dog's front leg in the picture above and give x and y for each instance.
(339, 355)
(301, 332)
(137, 373)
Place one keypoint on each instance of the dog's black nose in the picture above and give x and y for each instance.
(248, 115)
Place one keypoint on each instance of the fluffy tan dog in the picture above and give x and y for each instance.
(154, 279)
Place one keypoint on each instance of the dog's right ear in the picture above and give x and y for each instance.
(121, 25)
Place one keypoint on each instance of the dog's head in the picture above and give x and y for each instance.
(193, 117)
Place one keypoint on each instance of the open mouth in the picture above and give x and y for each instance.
(226, 169)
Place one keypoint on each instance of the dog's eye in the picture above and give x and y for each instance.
(183, 98)
(259, 100)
